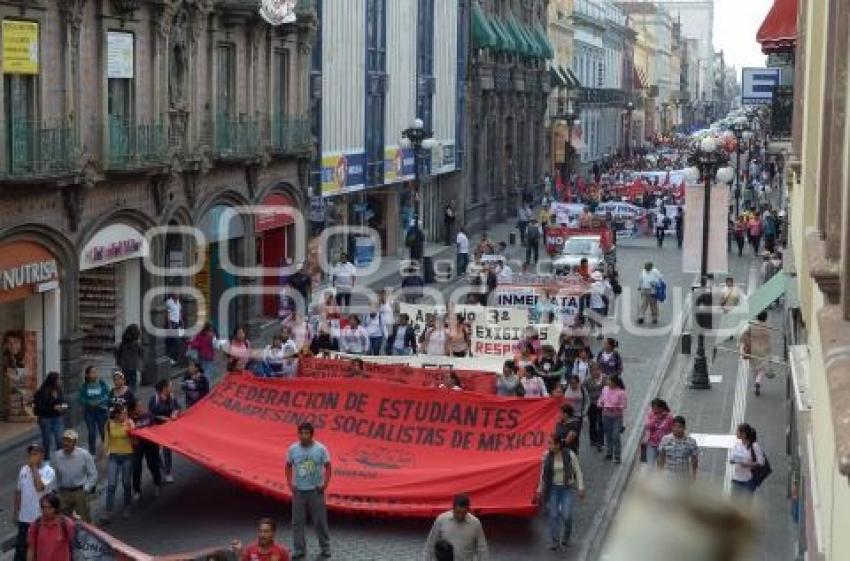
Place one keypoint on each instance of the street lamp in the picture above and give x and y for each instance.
(570, 118)
(630, 107)
(741, 130)
(421, 140)
(707, 160)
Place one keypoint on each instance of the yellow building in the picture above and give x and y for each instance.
(564, 83)
(818, 259)
(644, 117)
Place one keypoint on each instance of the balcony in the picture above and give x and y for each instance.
(290, 135)
(603, 95)
(782, 112)
(36, 150)
(237, 138)
(133, 146)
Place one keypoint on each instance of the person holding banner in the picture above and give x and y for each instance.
(402, 338)
(508, 383)
(375, 330)
(354, 340)
(532, 383)
(561, 479)
(265, 548)
(308, 474)
(459, 337)
(434, 340)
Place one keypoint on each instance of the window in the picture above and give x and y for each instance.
(21, 114)
(225, 81)
(376, 68)
(425, 62)
(280, 85)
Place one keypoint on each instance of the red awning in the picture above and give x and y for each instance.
(778, 31)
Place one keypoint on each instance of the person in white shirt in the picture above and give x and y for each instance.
(35, 480)
(387, 311)
(745, 455)
(373, 322)
(289, 362)
(505, 274)
(344, 275)
(650, 278)
(598, 302)
(354, 339)
(462, 246)
(174, 318)
(273, 357)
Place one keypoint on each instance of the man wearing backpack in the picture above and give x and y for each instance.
(51, 536)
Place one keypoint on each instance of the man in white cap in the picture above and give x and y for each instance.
(76, 476)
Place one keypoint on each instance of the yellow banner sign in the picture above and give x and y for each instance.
(20, 47)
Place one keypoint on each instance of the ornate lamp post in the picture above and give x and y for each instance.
(421, 140)
(570, 118)
(708, 161)
(741, 130)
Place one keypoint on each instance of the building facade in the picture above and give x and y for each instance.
(509, 90)
(123, 117)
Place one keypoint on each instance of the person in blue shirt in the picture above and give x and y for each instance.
(308, 473)
(94, 397)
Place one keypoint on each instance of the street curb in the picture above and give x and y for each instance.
(601, 524)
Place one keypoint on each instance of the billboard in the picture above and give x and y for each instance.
(757, 85)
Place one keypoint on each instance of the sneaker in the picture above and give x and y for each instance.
(655, 322)
(325, 555)
(137, 497)
(640, 321)
(758, 389)
(168, 478)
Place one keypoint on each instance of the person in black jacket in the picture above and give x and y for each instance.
(144, 450)
(164, 408)
(301, 282)
(128, 355)
(561, 480)
(50, 408)
(195, 384)
(402, 339)
(415, 241)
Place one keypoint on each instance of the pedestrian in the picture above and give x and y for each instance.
(613, 402)
(532, 242)
(35, 480)
(746, 455)
(120, 449)
(561, 479)
(202, 348)
(678, 453)
(195, 384)
(302, 284)
(533, 384)
(740, 234)
(462, 530)
(657, 425)
(301, 332)
(770, 231)
(174, 324)
(94, 399)
(412, 283)
(128, 354)
(76, 476)
(434, 339)
(144, 450)
(508, 383)
(609, 358)
(523, 218)
(730, 296)
(344, 276)
(650, 279)
(265, 548)
(594, 384)
(550, 367)
(462, 248)
(354, 339)
(239, 348)
(680, 226)
(576, 395)
(568, 428)
(754, 227)
(50, 407)
(120, 393)
(308, 474)
(373, 323)
(415, 241)
(756, 348)
(661, 223)
(51, 535)
(449, 221)
(272, 359)
(164, 408)
(598, 300)
(402, 338)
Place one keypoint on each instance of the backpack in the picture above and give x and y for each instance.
(661, 291)
(760, 473)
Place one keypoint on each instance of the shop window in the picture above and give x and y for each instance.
(226, 80)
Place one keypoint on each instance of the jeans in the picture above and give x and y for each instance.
(532, 252)
(612, 427)
(208, 366)
(659, 236)
(118, 464)
(756, 241)
(652, 456)
(560, 511)
(740, 241)
(521, 226)
(172, 343)
(51, 427)
(21, 541)
(594, 422)
(167, 460)
(401, 352)
(150, 453)
(313, 501)
(95, 423)
(343, 298)
(462, 264)
(132, 378)
(375, 344)
(742, 488)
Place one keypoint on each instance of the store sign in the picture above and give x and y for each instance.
(119, 55)
(20, 47)
(317, 209)
(343, 173)
(113, 244)
(24, 266)
(399, 164)
(272, 216)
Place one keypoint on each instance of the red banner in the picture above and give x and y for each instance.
(471, 380)
(557, 236)
(395, 449)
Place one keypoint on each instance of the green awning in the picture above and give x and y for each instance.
(537, 48)
(483, 34)
(754, 304)
(523, 47)
(506, 40)
(548, 49)
(557, 79)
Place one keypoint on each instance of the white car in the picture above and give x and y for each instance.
(577, 248)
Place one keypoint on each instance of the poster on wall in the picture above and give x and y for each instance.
(20, 368)
(343, 173)
(119, 55)
(399, 164)
(20, 47)
(443, 158)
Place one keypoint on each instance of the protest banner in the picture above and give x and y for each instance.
(477, 363)
(471, 380)
(93, 544)
(562, 299)
(502, 341)
(396, 449)
(473, 314)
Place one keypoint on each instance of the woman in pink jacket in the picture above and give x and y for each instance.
(613, 403)
(658, 423)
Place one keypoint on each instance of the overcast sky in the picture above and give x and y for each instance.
(736, 23)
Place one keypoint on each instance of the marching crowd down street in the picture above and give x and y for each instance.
(573, 346)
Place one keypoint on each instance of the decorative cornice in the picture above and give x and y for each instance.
(825, 272)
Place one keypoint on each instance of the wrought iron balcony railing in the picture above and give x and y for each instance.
(133, 146)
(37, 149)
(290, 135)
(237, 137)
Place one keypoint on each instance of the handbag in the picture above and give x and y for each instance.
(760, 472)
